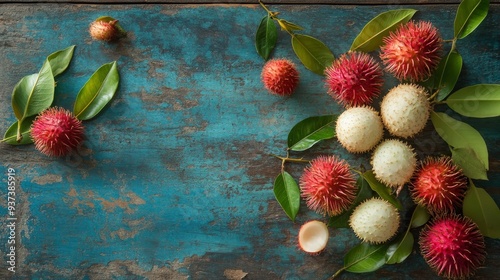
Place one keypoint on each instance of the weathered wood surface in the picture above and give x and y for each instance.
(301, 2)
(175, 179)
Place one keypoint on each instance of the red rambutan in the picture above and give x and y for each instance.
(280, 76)
(354, 79)
(413, 51)
(105, 30)
(56, 132)
(328, 185)
(453, 246)
(438, 185)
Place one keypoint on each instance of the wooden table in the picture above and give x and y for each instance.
(175, 177)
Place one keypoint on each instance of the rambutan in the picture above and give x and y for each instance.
(313, 237)
(375, 220)
(393, 163)
(413, 51)
(280, 76)
(453, 246)
(56, 132)
(405, 110)
(438, 185)
(328, 185)
(105, 30)
(359, 129)
(354, 79)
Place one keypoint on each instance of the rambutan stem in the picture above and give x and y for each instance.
(338, 272)
(289, 159)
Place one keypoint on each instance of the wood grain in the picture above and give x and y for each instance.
(174, 180)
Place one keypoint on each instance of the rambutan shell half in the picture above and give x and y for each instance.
(313, 237)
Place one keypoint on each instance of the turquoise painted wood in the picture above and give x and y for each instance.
(174, 180)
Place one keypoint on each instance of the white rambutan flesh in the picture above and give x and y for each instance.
(359, 129)
(313, 237)
(375, 220)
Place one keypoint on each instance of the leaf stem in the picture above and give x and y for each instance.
(287, 158)
(19, 137)
(338, 272)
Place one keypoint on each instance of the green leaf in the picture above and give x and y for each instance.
(372, 34)
(482, 209)
(399, 250)
(460, 135)
(447, 74)
(382, 190)
(287, 194)
(286, 25)
(477, 101)
(59, 61)
(365, 257)
(313, 53)
(310, 131)
(10, 136)
(33, 93)
(419, 217)
(471, 165)
(97, 92)
(469, 15)
(266, 37)
(364, 193)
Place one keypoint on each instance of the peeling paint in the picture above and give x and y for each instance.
(47, 179)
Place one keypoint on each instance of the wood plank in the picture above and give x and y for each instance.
(175, 178)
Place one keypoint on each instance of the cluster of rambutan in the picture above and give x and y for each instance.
(451, 244)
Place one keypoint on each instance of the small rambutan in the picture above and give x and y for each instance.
(56, 132)
(453, 246)
(438, 185)
(393, 163)
(354, 79)
(313, 237)
(105, 30)
(328, 185)
(405, 110)
(280, 76)
(375, 220)
(359, 129)
(413, 51)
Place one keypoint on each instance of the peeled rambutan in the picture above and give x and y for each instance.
(313, 237)
(354, 79)
(453, 246)
(105, 30)
(438, 185)
(56, 132)
(413, 51)
(359, 129)
(328, 185)
(375, 220)
(280, 76)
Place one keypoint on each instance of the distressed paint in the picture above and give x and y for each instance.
(175, 179)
